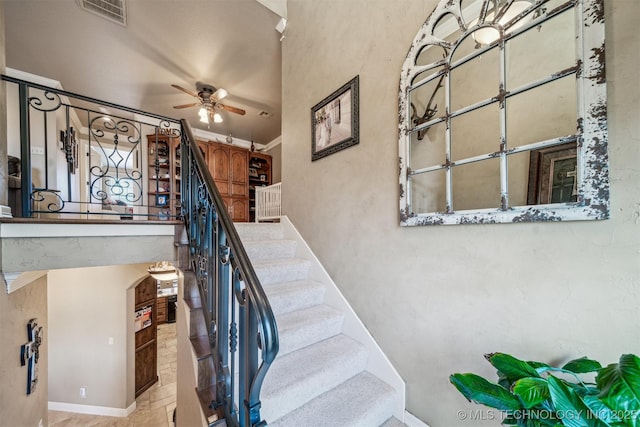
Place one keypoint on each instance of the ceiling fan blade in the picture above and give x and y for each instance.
(186, 105)
(186, 91)
(232, 109)
(219, 94)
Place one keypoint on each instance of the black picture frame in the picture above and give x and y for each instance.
(335, 121)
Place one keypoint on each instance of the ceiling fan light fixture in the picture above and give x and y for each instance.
(217, 118)
(204, 119)
(486, 36)
(202, 112)
(220, 93)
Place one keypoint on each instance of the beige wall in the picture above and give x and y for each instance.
(438, 298)
(87, 306)
(3, 115)
(276, 163)
(17, 408)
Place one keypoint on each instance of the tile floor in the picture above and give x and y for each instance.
(154, 407)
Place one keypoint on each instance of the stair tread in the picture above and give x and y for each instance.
(270, 249)
(281, 270)
(292, 380)
(285, 297)
(279, 261)
(295, 319)
(362, 401)
(300, 328)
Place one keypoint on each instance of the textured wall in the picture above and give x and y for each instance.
(30, 254)
(16, 310)
(438, 298)
(3, 116)
(276, 163)
(87, 306)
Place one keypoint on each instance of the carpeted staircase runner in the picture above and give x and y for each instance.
(319, 377)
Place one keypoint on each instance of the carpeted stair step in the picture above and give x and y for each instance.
(362, 401)
(301, 328)
(393, 422)
(261, 231)
(281, 270)
(270, 249)
(291, 296)
(298, 377)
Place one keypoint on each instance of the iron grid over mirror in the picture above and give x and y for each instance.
(503, 114)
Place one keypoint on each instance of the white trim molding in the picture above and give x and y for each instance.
(411, 420)
(18, 230)
(92, 410)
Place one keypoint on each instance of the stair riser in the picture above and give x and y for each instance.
(362, 401)
(291, 340)
(308, 373)
(275, 249)
(286, 302)
(302, 392)
(205, 373)
(279, 274)
(197, 323)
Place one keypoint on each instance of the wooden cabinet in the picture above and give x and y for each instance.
(236, 178)
(228, 167)
(164, 176)
(146, 347)
(162, 310)
(259, 175)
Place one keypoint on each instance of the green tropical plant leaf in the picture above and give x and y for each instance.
(569, 408)
(601, 411)
(512, 368)
(619, 385)
(477, 389)
(531, 391)
(582, 365)
(537, 365)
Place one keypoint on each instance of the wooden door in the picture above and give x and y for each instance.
(239, 173)
(219, 166)
(146, 349)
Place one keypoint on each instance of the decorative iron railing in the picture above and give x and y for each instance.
(80, 157)
(242, 327)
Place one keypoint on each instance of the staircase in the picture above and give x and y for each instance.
(320, 376)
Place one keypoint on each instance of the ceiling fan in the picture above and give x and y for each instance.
(209, 101)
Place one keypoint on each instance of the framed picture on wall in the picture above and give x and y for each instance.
(335, 121)
(553, 175)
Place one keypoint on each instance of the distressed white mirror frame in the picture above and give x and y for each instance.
(591, 128)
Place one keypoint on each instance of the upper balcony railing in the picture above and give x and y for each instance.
(75, 157)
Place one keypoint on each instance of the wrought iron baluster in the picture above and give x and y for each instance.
(242, 322)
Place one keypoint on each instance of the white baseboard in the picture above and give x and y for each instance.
(92, 410)
(411, 420)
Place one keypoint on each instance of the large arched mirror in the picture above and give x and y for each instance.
(503, 114)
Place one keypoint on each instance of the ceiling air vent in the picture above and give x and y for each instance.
(113, 10)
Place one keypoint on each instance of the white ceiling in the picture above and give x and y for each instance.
(225, 43)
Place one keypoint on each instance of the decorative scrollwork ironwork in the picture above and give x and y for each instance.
(116, 177)
(39, 195)
(50, 97)
(165, 128)
(239, 289)
(224, 254)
